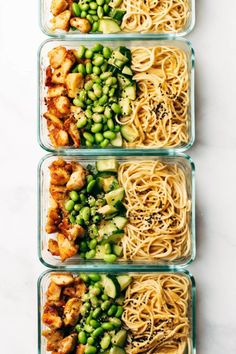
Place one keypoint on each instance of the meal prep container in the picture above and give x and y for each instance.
(183, 161)
(43, 62)
(44, 281)
(46, 16)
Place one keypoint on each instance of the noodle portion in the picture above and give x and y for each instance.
(158, 16)
(158, 210)
(156, 314)
(161, 111)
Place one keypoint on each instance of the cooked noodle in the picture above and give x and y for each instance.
(158, 210)
(161, 111)
(159, 16)
(156, 314)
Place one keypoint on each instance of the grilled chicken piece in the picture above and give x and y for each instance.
(53, 220)
(58, 137)
(61, 21)
(53, 292)
(67, 345)
(58, 6)
(51, 317)
(56, 90)
(59, 106)
(59, 75)
(60, 172)
(72, 232)
(80, 287)
(71, 128)
(82, 24)
(62, 279)
(72, 311)
(57, 56)
(53, 247)
(67, 248)
(53, 338)
(48, 80)
(80, 349)
(52, 118)
(58, 192)
(74, 82)
(77, 179)
(69, 291)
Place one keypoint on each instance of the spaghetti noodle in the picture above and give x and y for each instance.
(156, 314)
(158, 211)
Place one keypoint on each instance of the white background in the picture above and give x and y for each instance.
(214, 155)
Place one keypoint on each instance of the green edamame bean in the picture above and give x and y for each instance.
(90, 254)
(112, 310)
(108, 112)
(110, 258)
(89, 137)
(90, 187)
(104, 297)
(83, 14)
(105, 90)
(72, 219)
(90, 18)
(89, 68)
(74, 196)
(85, 213)
(104, 67)
(106, 9)
(114, 80)
(69, 205)
(107, 326)
(81, 69)
(116, 322)
(98, 109)
(98, 61)
(81, 122)
(97, 127)
(84, 7)
(95, 291)
(100, 2)
(106, 50)
(83, 248)
(105, 305)
(88, 113)
(77, 102)
(110, 124)
(96, 70)
(93, 5)
(95, 26)
(105, 127)
(85, 278)
(107, 248)
(116, 108)
(98, 138)
(92, 95)
(90, 340)
(78, 328)
(88, 54)
(92, 12)
(73, 213)
(90, 350)
(104, 143)
(83, 95)
(94, 277)
(95, 18)
(119, 311)
(84, 309)
(94, 299)
(106, 75)
(88, 86)
(103, 100)
(76, 9)
(96, 313)
(77, 207)
(100, 12)
(83, 197)
(87, 327)
(97, 90)
(97, 118)
(89, 178)
(109, 81)
(117, 128)
(97, 48)
(81, 50)
(105, 342)
(82, 337)
(98, 332)
(88, 143)
(85, 297)
(112, 92)
(95, 324)
(109, 135)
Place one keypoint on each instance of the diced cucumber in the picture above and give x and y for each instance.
(126, 107)
(111, 286)
(100, 251)
(127, 71)
(118, 141)
(124, 281)
(110, 165)
(119, 64)
(119, 338)
(117, 250)
(117, 14)
(120, 222)
(129, 133)
(107, 210)
(123, 81)
(115, 3)
(129, 92)
(120, 207)
(119, 56)
(117, 350)
(106, 229)
(114, 238)
(113, 196)
(127, 52)
(107, 183)
(107, 25)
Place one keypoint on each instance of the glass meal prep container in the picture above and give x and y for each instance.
(43, 62)
(46, 26)
(44, 280)
(182, 161)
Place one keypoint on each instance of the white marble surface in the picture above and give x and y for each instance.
(214, 154)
